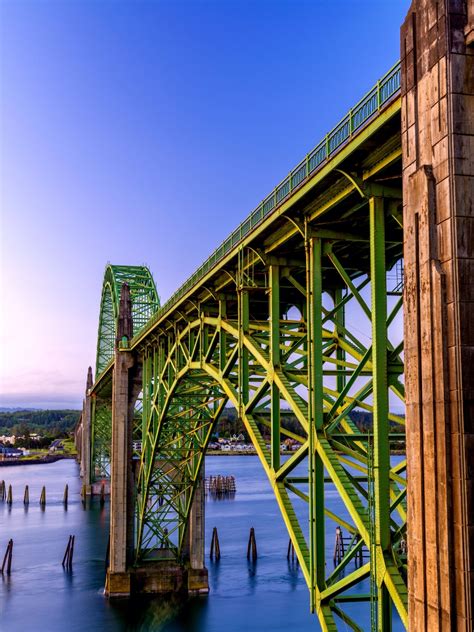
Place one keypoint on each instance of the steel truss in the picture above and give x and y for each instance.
(288, 336)
(295, 311)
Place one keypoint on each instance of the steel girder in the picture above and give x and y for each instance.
(263, 353)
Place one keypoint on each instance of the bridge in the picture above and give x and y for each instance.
(349, 287)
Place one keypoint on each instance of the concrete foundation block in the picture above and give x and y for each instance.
(198, 581)
(117, 584)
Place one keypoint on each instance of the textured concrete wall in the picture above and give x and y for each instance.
(438, 191)
(120, 463)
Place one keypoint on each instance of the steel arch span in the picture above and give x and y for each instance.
(145, 303)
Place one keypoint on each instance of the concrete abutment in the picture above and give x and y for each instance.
(438, 191)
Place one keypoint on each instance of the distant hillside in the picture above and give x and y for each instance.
(50, 422)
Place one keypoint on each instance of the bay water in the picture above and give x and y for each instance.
(40, 595)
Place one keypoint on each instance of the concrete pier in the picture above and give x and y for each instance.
(121, 484)
(158, 576)
(197, 575)
(438, 193)
(86, 431)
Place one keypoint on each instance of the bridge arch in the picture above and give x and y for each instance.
(145, 302)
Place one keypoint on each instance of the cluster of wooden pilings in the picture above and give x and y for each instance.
(90, 493)
(215, 551)
(66, 563)
(342, 546)
(6, 495)
(220, 486)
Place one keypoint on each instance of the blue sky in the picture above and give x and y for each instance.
(142, 133)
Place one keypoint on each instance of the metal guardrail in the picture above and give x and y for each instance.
(357, 116)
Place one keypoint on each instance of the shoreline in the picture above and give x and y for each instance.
(60, 457)
(38, 461)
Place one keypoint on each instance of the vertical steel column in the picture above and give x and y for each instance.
(316, 419)
(243, 325)
(274, 315)
(340, 322)
(222, 334)
(381, 460)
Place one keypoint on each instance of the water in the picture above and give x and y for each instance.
(40, 595)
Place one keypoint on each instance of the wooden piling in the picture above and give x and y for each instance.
(102, 494)
(291, 552)
(215, 551)
(83, 494)
(26, 496)
(252, 546)
(66, 494)
(3, 492)
(338, 546)
(359, 556)
(71, 552)
(43, 497)
(68, 555)
(10, 495)
(7, 560)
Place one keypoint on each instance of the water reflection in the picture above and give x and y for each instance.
(293, 573)
(243, 595)
(170, 612)
(252, 581)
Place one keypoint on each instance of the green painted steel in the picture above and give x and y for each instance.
(368, 107)
(145, 303)
(299, 311)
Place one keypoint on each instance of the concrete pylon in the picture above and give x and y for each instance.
(86, 431)
(437, 52)
(198, 582)
(121, 481)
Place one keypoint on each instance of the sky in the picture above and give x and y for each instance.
(139, 133)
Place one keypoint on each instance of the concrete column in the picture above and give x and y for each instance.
(197, 573)
(438, 193)
(78, 441)
(121, 503)
(86, 432)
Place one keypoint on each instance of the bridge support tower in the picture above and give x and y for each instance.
(124, 575)
(438, 189)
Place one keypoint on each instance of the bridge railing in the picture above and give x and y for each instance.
(357, 116)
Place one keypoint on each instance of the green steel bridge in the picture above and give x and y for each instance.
(301, 309)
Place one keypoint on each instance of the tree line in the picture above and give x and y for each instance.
(53, 423)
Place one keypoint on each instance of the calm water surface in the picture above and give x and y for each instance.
(40, 595)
